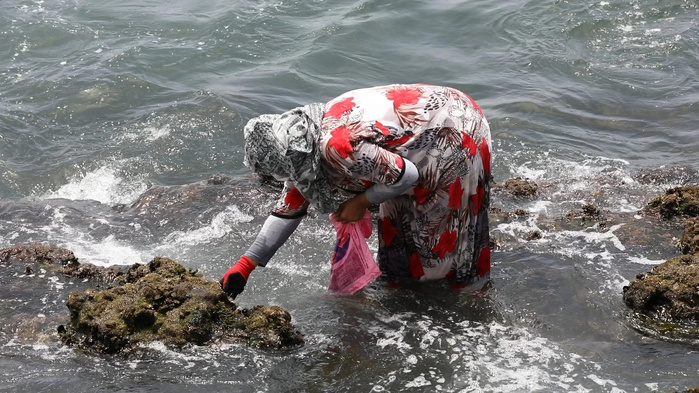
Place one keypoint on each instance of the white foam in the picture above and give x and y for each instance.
(601, 381)
(645, 261)
(595, 237)
(515, 227)
(106, 252)
(149, 133)
(104, 185)
(506, 358)
(565, 181)
(221, 225)
(418, 382)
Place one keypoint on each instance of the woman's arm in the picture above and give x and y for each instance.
(274, 233)
(353, 209)
(283, 221)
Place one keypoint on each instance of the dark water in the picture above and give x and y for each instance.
(101, 101)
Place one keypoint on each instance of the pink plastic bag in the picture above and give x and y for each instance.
(353, 266)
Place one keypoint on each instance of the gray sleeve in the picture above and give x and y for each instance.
(274, 233)
(380, 192)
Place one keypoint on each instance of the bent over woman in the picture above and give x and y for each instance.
(421, 152)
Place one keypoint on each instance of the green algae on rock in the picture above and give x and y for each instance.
(163, 301)
(678, 201)
(669, 292)
(53, 257)
(518, 187)
(689, 243)
(124, 306)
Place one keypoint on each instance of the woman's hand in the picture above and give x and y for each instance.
(352, 210)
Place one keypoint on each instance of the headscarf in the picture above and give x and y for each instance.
(286, 146)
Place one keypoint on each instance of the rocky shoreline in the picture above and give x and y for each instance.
(126, 306)
(669, 293)
(665, 299)
(119, 308)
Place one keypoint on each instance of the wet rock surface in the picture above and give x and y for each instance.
(126, 306)
(689, 243)
(668, 293)
(519, 187)
(677, 202)
(588, 214)
(666, 299)
(32, 253)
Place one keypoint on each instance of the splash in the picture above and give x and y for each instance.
(105, 184)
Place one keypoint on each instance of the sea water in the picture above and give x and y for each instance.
(102, 102)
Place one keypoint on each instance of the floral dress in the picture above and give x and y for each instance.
(438, 228)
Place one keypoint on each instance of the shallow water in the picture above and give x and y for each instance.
(102, 102)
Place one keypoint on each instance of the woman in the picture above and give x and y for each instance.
(419, 151)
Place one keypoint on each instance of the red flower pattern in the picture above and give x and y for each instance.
(416, 269)
(294, 199)
(340, 141)
(455, 193)
(483, 264)
(403, 96)
(446, 243)
(388, 231)
(485, 155)
(345, 138)
(477, 199)
(399, 162)
(340, 108)
(421, 195)
(398, 141)
(385, 131)
(469, 144)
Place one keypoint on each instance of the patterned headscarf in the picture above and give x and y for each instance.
(286, 146)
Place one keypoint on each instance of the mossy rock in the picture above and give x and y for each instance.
(50, 256)
(163, 301)
(689, 243)
(519, 187)
(677, 202)
(122, 307)
(669, 292)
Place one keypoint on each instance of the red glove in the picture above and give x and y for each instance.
(234, 280)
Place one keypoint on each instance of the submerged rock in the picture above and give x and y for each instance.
(677, 202)
(668, 293)
(49, 255)
(126, 306)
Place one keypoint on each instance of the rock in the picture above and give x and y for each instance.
(496, 211)
(678, 201)
(689, 243)
(669, 292)
(118, 308)
(62, 261)
(588, 213)
(533, 235)
(665, 175)
(519, 187)
(50, 255)
(172, 205)
(163, 301)
(692, 390)
(218, 180)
